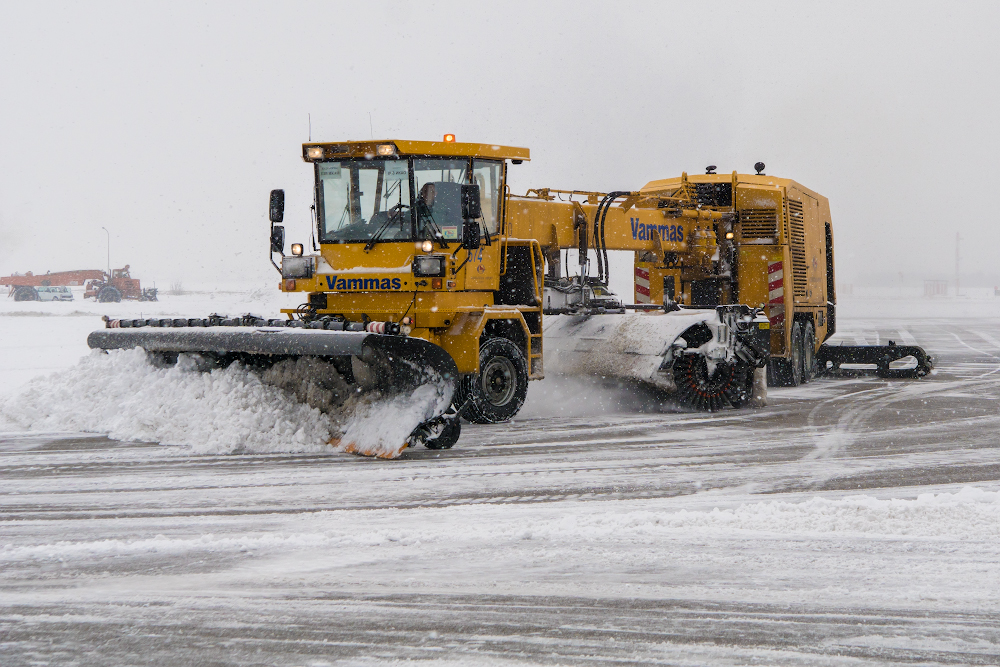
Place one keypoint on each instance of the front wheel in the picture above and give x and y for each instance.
(443, 435)
(498, 391)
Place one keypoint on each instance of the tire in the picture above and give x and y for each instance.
(808, 353)
(497, 392)
(784, 372)
(26, 294)
(109, 295)
(451, 429)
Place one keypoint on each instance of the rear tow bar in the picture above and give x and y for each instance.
(876, 359)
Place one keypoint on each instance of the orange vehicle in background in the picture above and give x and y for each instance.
(120, 285)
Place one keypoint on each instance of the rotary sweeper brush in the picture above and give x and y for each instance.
(425, 271)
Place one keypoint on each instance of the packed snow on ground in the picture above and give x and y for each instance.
(854, 550)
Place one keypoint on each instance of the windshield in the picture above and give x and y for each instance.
(362, 198)
(370, 200)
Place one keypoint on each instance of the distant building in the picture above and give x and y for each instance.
(934, 288)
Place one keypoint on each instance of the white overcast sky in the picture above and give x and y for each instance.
(168, 123)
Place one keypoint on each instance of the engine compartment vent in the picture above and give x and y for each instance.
(759, 223)
(797, 246)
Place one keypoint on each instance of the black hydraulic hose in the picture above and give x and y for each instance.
(600, 244)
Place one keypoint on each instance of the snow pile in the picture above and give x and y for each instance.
(223, 411)
(295, 406)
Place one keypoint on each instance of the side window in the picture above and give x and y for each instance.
(487, 174)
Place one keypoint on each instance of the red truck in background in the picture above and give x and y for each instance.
(98, 284)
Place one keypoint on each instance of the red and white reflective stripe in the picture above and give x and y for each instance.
(776, 293)
(375, 327)
(114, 324)
(642, 285)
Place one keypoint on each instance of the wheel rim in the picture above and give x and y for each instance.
(498, 378)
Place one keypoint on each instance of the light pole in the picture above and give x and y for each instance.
(109, 250)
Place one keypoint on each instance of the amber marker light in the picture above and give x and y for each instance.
(449, 138)
(729, 235)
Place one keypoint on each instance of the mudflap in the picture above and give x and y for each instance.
(874, 359)
(395, 363)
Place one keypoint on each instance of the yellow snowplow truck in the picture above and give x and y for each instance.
(425, 269)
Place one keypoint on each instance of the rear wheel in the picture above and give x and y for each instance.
(808, 353)
(497, 392)
(108, 295)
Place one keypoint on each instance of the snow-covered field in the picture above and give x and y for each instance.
(851, 521)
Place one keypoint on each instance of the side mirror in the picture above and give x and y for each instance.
(472, 208)
(278, 237)
(277, 208)
(470, 234)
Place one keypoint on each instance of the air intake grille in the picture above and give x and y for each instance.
(797, 246)
(759, 223)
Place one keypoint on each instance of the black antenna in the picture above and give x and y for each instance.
(310, 127)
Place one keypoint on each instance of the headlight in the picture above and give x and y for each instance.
(429, 265)
(296, 267)
(314, 152)
(385, 149)
(297, 249)
(427, 246)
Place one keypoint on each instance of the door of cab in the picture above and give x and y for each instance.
(483, 269)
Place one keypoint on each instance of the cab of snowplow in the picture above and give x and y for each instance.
(409, 232)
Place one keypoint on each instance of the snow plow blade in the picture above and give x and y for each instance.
(886, 361)
(708, 359)
(389, 364)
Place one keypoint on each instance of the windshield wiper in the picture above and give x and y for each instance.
(375, 237)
